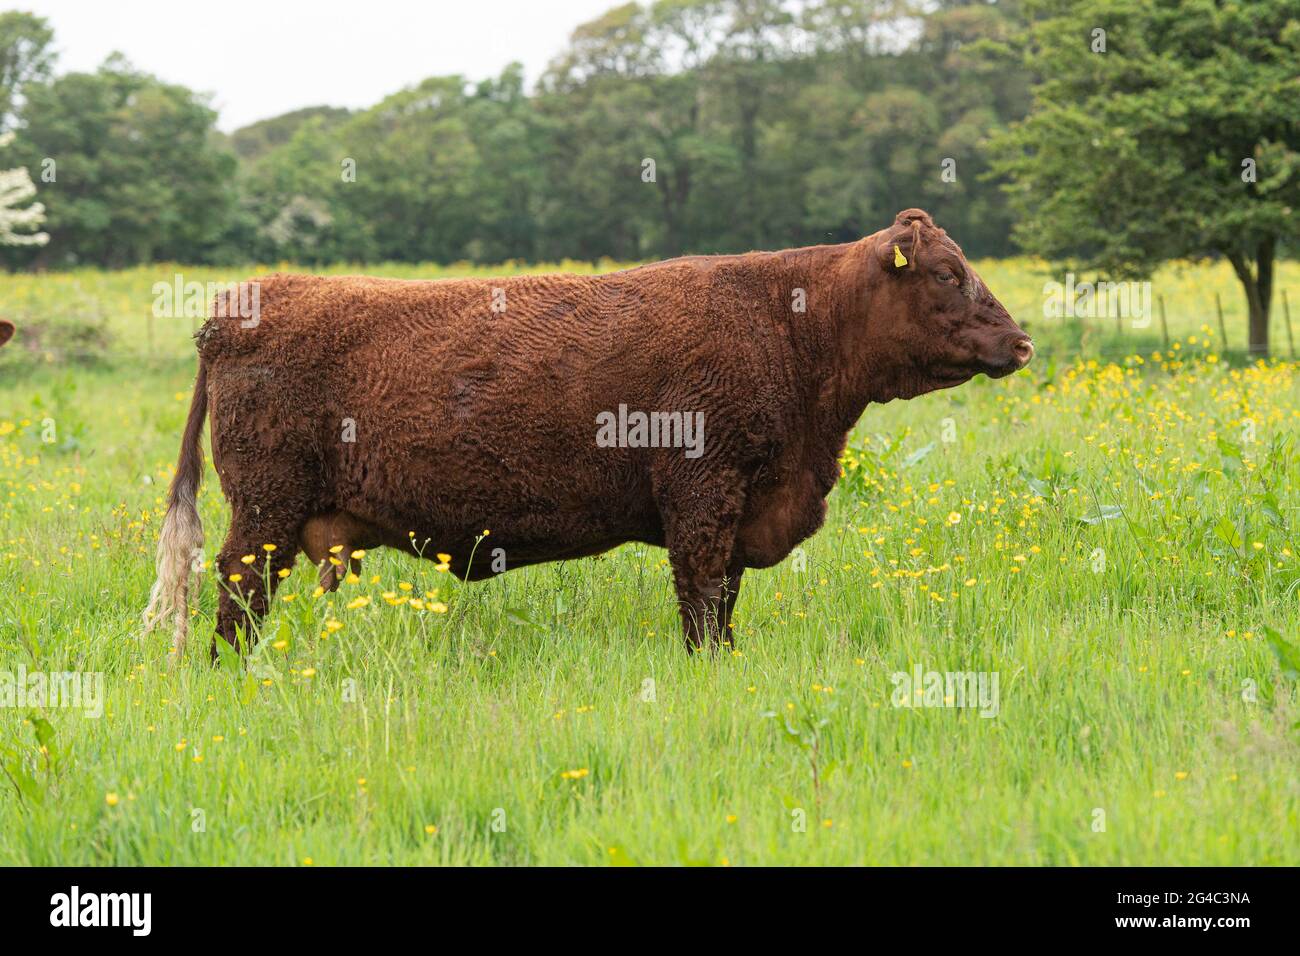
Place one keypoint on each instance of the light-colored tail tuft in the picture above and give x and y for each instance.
(180, 546)
(180, 556)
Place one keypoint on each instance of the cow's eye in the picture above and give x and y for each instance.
(947, 277)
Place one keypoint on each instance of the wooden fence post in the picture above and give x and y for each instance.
(1164, 325)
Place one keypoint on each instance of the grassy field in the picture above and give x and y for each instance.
(1111, 537)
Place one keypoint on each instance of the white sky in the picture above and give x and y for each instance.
(260, 59)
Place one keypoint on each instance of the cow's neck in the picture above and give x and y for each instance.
(831, 389)
(839, 362)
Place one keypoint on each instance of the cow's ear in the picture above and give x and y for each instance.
(6, 331)
(897, 249)
(902, 241)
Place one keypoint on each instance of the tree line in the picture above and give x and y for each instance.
(665, 128)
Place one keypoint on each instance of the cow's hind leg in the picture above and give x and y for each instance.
(258, 546)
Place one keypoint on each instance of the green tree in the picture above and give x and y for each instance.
(616, 84)
(416, 163)
(25, 58)
(140, 175)
(1174, 133)
(509, 179)
(256, 139)
(291, 198)
(594, 203)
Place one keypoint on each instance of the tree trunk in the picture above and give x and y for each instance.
(1257, 279)
(674, 191)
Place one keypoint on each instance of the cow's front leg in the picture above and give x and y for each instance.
(701, 535)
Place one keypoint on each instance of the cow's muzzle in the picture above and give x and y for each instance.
(1023, 350)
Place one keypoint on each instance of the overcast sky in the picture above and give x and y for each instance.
(260, 59)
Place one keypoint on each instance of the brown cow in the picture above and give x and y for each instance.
(6, 331)
(360, 412)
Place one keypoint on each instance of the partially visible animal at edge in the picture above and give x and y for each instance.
(6, 331)
(356, 412)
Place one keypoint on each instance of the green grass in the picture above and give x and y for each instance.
(1109, 517)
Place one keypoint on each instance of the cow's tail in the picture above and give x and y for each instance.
(180, 546)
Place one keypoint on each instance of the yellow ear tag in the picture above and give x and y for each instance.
(900, 260)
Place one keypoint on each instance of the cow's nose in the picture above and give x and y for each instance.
(1024, 351)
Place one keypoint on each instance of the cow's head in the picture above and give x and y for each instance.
(931, 321)
(6, 331)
